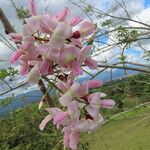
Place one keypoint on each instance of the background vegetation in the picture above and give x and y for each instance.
(126, 124)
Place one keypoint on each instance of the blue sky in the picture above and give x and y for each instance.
(146, 3)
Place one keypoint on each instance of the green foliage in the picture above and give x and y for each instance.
(128, 92)
(126, 36)
(7, 72)
(127, 134)
(20, 131)
(130, 129)
(5, 101)
(22, 13)
(88, 8)
(3, 74)
(122, 58)
(106, 23)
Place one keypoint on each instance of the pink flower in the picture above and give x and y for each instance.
(34, 75)
(24, 68)
(16, 37)
(64, 86)
(69, 54)
(75, 20)
(91, 63)
(93, 83)
(86, 28)
(27, 42)
(62, 15)
(27, 30)
(84, 57)
(85, 125)
(71, 138)
(46, 67)
(45, 121)
(94, 104)
(109, 104)
(61, 118)
(15, 56)
(75, 91)
(47, 25)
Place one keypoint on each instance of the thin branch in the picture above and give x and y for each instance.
(14, 88)
(122, 67)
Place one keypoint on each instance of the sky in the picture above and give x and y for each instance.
(139, 9)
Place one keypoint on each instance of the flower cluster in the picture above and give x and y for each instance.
(54, 45)
(50, 43)
(80, 110)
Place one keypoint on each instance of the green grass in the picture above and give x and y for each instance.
(128, 132)
(6, 101)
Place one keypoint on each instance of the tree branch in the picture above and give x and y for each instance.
(7, 26)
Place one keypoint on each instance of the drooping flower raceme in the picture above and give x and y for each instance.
(80, 110)
(54, 45)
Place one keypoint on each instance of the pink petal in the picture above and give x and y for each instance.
(34, 22)
(86, 28)
(94, 100)
(74, 138)
(60, 117)
(69, 53)
(66, 137)
(44, 67)
(109, 104)
(73, 111)
(65, 99)
(62, 15)
(28, 42)
(91, 63)
(16, 37)
(27, 30)
(86, 125)
(69, 95)
(48, 25)
(34, 75)
(74, 89)
(82, 91)
(24, 68)
(99, 119)
(32, 7)
(63, 86)
(74, 21)
(84, 54)
(54, 111)
(45, 121)
(93, 83)
(54, 55)
(76, 42)
(93, 111)
(15, 56)
(57, 40)
(76, 69)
